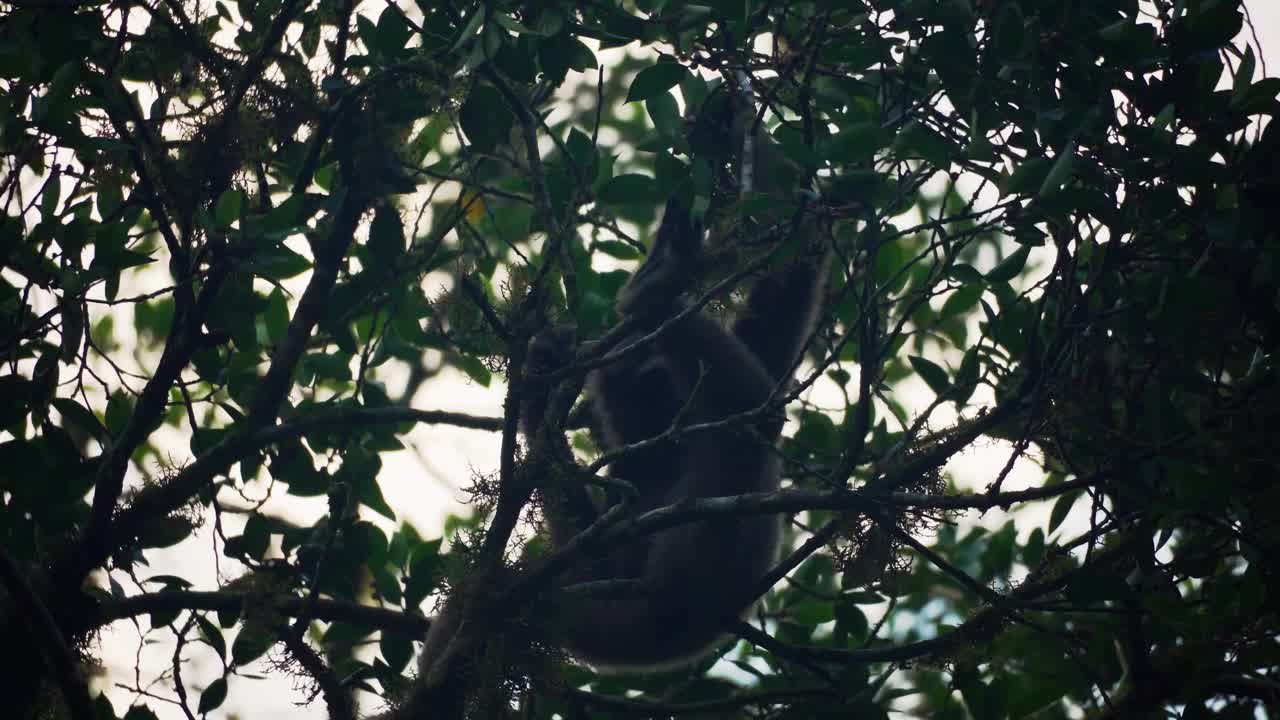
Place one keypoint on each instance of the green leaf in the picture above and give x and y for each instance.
(997, 557)
(228, 208)
(665, 114)
(369, 494)
(967, 376)
(164, 531)
(580, 148)
(1260, 96)
(964, 299)
(812, 612)
(368, 32)
(654, 80)
(856, 143)
(562, 53)
(424, 572)
(617, 249)
(851, 620)
(212, 636)
(550, 21)
(75, 415)
(72, 329)
(509, 23)
(1061, 507)
(1244, 75)
(119, 410)
(396, 649)
(287, 216)
(50, 195)
(137, 712)
(213, 696)
(817, 433)
(328, 366)
(1029, 175)
(694, 90)
(485, 118)
(58, 106)
(474, 369)
(1009, 268)
(205, 439)
(929, 145)
(965, 274)
(1033, 550)
(1060, 173)
(276, 316)
(630, 189)
(278, 262)
(1009, 36)
(229, 616)
(387, 586)
(111, 259)
(391, 34)
(580, 57)
(256, 538)
(669, 173)
(935, 377)
(169, 582)
(252, 642)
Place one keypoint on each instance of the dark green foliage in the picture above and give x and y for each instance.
(231, 231)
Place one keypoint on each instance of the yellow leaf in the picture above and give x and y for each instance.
(473, 205)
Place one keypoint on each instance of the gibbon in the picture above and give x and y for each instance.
(690, 581)
(683, 585)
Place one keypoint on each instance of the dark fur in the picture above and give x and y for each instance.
(694, 578)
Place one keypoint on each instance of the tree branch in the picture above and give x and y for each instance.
(169, 601)
(49, 639)
(336, 698)
(271, 392)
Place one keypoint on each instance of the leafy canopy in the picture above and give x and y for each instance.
(239, 238)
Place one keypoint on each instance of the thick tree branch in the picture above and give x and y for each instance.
(336, 698)
(50, 642)
(611, 531)
(797, 500)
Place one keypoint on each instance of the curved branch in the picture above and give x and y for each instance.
(229, 600)
(611, 531)
(977, 630)
(792, 501)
